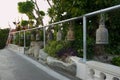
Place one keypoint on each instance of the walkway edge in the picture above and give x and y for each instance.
(46, 69)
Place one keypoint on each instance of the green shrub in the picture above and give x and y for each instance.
(17, 38)
(3, 37)
(52, 47)
(116, 61)
(60, 49)
(59, 46)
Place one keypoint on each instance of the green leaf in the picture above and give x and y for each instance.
(42, 13)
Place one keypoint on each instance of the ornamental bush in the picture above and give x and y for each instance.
(60, 49)
(52, 47)
(116, 61)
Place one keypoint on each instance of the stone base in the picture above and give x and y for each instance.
(69, 67)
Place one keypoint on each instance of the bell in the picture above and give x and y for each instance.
(28, 36)
(59, 35)
(32, 37)
(50, 34)
(14, 38)
(102, 33)
(37, 36)
(21, 36)
(70, 34)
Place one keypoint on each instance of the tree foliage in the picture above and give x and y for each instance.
(64, 9)
(31, 9)
(3, 37)
(25, 7)
(77, 7)
(24, 23)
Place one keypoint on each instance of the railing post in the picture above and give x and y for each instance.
(24, 42)
(44, 36)
(84, 39)
(19, 37)
(19, 41)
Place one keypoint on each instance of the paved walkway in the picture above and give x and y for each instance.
(19, 67)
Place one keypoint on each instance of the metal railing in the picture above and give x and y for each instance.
(84, 17)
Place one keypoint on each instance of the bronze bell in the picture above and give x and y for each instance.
(70, 34)
(32, 37)
(21, 36)
(50, 34)
(102, 33)
(14, 38)
(37, 36)
(59, 35)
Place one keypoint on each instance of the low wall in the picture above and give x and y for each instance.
(16, 48)
(93, 70)
(102, 71)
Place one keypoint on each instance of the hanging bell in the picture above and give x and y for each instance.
(14, 38)
(50, 34)
(59, 35)
(102, 33)
(70, 34)
(37, 36)
(21, 36)
(32, 37)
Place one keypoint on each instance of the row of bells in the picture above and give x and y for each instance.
(101, 34)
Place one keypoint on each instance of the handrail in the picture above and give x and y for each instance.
(75, 18)
(102, 10)
(63, 21)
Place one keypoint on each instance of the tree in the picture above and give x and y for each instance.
(3, 37)
(31, 9)
(24, 23)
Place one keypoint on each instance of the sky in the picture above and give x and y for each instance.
(9, 12)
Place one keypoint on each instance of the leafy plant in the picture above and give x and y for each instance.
(52, 47)
(116, 61)
(60, 49)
